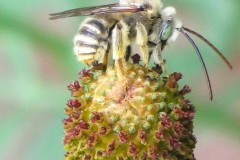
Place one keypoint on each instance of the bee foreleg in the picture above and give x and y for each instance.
(128, 53)
(157, 56)
(119, 45)
(142, 40)
(104, 56)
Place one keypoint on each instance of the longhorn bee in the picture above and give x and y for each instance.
(115, 27)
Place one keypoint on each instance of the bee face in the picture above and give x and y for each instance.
(164, 29)
(168, 32)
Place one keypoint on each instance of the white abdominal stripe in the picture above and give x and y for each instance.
(94, 29)
(84, 50)
(91, 37)
(85, 39)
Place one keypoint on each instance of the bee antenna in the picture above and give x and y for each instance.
(182, 30)
(210, 45)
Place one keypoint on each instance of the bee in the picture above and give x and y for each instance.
(114, 28)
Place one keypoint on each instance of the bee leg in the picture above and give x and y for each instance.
(163, 66)
(104, 57)
(128, 53)
(110, 62)
(98, 66)
(142, 40)
(159, 60)
(119, 46)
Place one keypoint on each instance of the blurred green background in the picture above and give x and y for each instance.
(37, 64)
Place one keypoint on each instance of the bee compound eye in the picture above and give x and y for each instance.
(166, 30)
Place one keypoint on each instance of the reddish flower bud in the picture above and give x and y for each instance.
(95, 116)
(186, 89)
(144, 156)
(159, 134)
(143, 136)
(83, 125)
(122, 137)
(100, 153)
(91, 140)
(111, 148)
(74, 103)
(74, 86)
(165, 121)
(153, 152)
(87, 157)
(84, 73)
(102, 130)
(133, 150)
(177, 76)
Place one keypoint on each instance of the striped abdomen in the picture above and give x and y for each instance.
(91, 41)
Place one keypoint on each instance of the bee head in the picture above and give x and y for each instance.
(168, 32)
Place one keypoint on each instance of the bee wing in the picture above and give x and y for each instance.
(110, 8)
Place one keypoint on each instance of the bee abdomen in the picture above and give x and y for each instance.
(91, 38)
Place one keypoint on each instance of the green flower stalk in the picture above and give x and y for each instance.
(143, 117)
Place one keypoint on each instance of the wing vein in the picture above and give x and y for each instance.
(96, 10)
